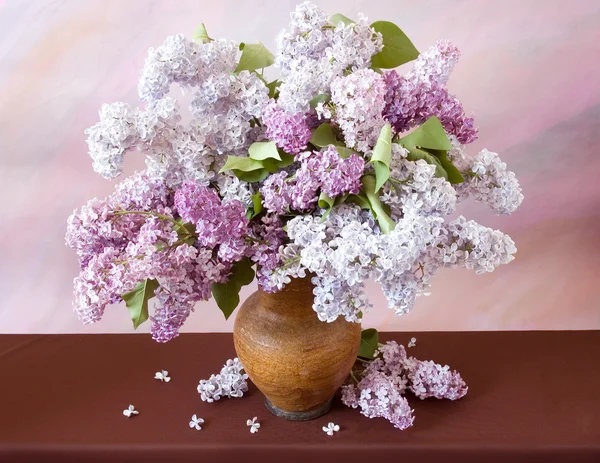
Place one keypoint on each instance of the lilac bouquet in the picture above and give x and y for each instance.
(342, 168)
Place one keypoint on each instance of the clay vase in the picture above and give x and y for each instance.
(297, 361)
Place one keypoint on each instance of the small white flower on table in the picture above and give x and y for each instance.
(130, 411)
(331, 428)
(413, 342)
(254, 425)
(196, 423)
(163, 376)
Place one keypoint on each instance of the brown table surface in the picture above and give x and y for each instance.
(533, 396)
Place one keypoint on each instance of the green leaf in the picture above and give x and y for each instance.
(360, 199)
(323, 136)
(241, 163)
(337, 18)
(382, 174)
(261, 150)
(200, 35)
(382, 156)
(383, 219)
(254, 56)
(227, 294)
(273, 88)
(397, 47)
(325, 202)
(256, 204)
(454, 175)
(430, 135)
(344, 152)
(286, 159)
(369, 342)
(136, 301)
(414, 154)
(252, 176)
(320, 98)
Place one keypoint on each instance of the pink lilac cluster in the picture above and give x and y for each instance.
(223, 224)
(415, 97)
(326, 171)
(289, 131)
(132, 236)
(385, 380)
(231, 381)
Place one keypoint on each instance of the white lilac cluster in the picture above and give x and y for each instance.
(223, 105)
(231, 381)
(487, 180)
(414, 186)
(359, 101)
(312, 52)
(380, 392)
(346, 248)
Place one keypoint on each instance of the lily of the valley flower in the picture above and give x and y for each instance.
(130, 411)
(196, 423)
(163, 376)
(254, 425)
(331, 428)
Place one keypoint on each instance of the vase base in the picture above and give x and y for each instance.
(299, 416)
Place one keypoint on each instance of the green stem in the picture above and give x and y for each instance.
(154, 214)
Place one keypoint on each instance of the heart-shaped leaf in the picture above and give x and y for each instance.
(254, 56)
(382, 156)
(430, 135)
(337, 18)
(323, 136)
(383, 219)
(369, 343)
(261, 150)
(136, 301)
(414, 154)
(227, 295)
(200, 35)
(241, 163)
(397, 47)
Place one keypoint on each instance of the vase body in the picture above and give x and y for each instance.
(297, 361)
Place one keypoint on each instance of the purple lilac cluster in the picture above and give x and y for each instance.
(326, 171)
(380, 391)
(415, 97)
(289, 131)
(268, 235)
(222, 224)
(132, 236)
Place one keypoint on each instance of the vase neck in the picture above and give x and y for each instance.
(295, 298)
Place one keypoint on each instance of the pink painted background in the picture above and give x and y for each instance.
(530, 71)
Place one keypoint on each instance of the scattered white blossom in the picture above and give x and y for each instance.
(196, 423)
(412, 342)
(162, 376)
(130, 411)
(254, 425)
(230, 382)
(331, 428)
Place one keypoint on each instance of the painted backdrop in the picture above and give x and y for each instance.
(530, 71)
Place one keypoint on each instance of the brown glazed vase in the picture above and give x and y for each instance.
(295, 360)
